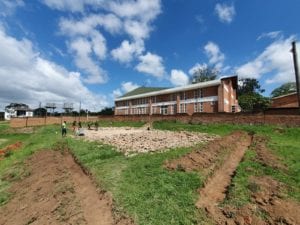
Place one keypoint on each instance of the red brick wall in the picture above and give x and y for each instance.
(269, 117)
(207, 118)
(286, 101)
(39, 121)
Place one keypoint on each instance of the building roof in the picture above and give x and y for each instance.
(281, 96)
(175, 89)
(132, 95)
(142, 90)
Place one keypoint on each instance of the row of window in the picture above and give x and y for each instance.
(172, 97)
(172, 109)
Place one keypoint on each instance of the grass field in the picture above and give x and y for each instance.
(140, 185)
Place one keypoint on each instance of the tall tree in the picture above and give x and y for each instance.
(249, 95)
(203, 74)
(249, 85)
(284, 89)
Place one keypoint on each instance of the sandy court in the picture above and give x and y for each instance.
(141, 140)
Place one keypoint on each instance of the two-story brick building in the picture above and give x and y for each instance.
(211, 96)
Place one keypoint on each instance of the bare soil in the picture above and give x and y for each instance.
(264, 155)
(208, 158)
(216, 185)
(219, 160)
(141, 140)
(57, 191)
(11, 147)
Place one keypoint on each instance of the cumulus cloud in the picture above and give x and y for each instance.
(127, 51)
(89, 24)
(214, 54)
(125, 87)
(151, 64)
(7, 7)
(179, 78)
(225, 12)
(83, 49)
(131, 17)
(71, 5)
(29, 78)
(275, 61)
(144, 10)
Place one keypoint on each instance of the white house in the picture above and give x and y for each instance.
(17, 110)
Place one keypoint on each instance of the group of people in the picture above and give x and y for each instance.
(77, 128)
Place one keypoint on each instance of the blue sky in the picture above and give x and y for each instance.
(95, 50)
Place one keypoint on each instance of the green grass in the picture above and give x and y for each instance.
(42, 138)
(140, 185)
(284, 143)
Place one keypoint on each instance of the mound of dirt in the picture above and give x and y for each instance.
(142, 140)
(264, 154)
(204, 159)
(267, 207)
(57, 192)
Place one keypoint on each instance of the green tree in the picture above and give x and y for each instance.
(284, 89)
(204, 74)
(249, 95)
(249, 85)
(107, 111)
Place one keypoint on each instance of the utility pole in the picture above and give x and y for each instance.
(296, 67)
(79, 109)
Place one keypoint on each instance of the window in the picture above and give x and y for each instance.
(182, 108)
(233, 109)
(173, 109)
(154, 99)
(201, 106)
(182, 96)
(164, 109)
(198, 107)
(173, 97)
(198, 93)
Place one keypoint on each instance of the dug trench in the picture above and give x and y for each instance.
(217, 162)
(55, 190)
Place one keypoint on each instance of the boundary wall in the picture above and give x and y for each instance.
(284, 117)
(41, 121)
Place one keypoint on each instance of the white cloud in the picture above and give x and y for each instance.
(196, 67)
(83, 49)
(144, 10)
(151, 64)
(131, 17)
(225, 12)
(271, 35)
(89, 24)
(129, 86)
(7, 7)
(29, 78)
(214, 54)
(127, 51)
(136, 29)
(179, 78)
(275, 61)
(71, 5)
(125, 87)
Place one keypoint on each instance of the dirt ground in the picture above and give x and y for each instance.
(218, 161)
(55, 190)
(11, 147)
(141, 140)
